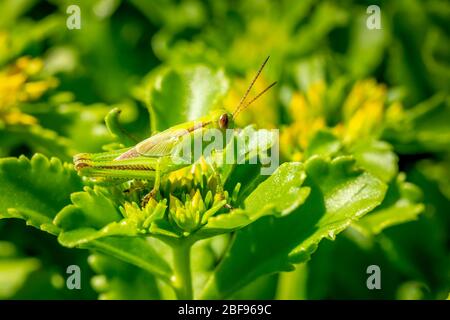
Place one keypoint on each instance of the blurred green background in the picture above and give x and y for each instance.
(56, 86)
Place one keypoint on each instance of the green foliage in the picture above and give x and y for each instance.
(428, 123)
(14, 270)
(273, 244)
(188, 93)
(402, 203)
(39, 202)
(363, 136)
(116, 280)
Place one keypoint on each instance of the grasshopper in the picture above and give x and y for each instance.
(152, 158)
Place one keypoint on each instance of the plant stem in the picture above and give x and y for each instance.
(182, 280)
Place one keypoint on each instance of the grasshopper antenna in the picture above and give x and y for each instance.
(254, 99)
(241, 102)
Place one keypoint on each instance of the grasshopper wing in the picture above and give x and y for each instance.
(161, 144)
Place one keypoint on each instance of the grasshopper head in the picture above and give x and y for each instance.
(222, 119)
(225, 121)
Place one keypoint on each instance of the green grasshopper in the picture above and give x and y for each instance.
(152, 158)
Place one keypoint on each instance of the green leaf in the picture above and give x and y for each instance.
(39, 139)
(292, 285)
(14, 270)
(281, 192)
(94, 222)
(409, 245)
(366, 47)
(13, 274)
(438, 171)
(401, 204)
(33, 218)
(339, 195)
(343, 194)
(278, 195)
(35, 190)
(117, 280)
(116, 130)
(259, 144)
(323, 143)
(424, 128)
(136, 251)
(83, 124)
(94, 215)
(11, 10)
(185, 94)
(225, 223)
(90, 209)
(378, 158)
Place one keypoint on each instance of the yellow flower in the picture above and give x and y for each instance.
(142, 218)
(362, 115)
(307, 114)
(395, 112)
(195, 194)
(17, 85)
(195, 211)
(363, 110)
(188, 175)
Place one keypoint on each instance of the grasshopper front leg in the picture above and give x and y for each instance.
(156, 185)
(220, 192)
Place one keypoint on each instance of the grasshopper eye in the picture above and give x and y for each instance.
(223, 121)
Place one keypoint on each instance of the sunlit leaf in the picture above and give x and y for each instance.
(339, 195)
(278, 195)
(186, 94)
(35, 190)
